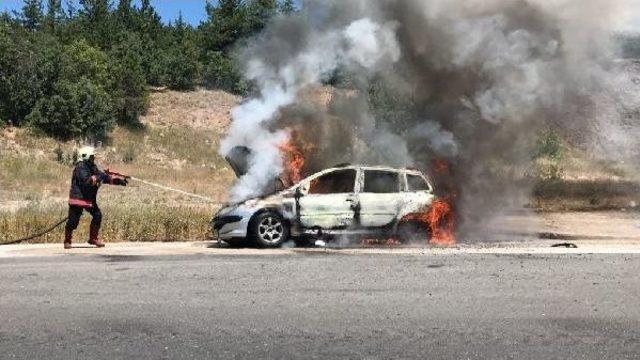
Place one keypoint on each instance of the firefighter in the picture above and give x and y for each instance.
(85, 183)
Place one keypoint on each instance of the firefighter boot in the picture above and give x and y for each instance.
(68, 235)
(93, 236)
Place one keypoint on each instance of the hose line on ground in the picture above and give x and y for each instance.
(44, 232)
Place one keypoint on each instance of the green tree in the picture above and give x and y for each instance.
(81, 60)
(95, 10)
(221, 72)
(55, 15)
(128, 82)
(182, 67)
(97, 22)
(155, 38)
(287, 7)
(32, 14)
(125, 15)
(78, 109)
(259, 14)
(179, 27)
(181, 60)
(148, 20)
(226, 23)
(5, 18)
(79, 104)
(28, 69)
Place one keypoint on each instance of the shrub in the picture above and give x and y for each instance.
(548, 152)
(59, 155)
(129, 155)
(28, 69)
(548, 145)
(81, 60)
(80, 109)
(182, 67)
(221, 72)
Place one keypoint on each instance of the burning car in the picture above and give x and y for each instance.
(345, 200)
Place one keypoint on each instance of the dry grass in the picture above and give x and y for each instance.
(121, 223)
(198, 109)
(32, 175)
(585, 195)
(586, 183)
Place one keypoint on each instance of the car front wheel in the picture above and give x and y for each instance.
(269, 229)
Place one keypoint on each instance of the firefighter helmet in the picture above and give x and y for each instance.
(86, 152)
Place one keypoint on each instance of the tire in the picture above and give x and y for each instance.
(413, 233)
(268, 230)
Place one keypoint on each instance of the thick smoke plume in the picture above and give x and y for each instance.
(471, 82)
(362, 44)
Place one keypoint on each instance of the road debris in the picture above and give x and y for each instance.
(565, 245)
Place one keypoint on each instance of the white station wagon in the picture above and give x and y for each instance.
(344, 200)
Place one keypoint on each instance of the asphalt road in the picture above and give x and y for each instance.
(317, 305)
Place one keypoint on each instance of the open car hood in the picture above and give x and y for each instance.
(238, 159)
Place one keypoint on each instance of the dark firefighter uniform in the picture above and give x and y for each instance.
(85, 183)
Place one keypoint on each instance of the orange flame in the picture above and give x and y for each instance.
(441, 217)
(293, 159)
(441, 221)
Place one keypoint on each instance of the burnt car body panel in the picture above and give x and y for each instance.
(346, 199)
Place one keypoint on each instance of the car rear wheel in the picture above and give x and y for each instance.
(269, 229)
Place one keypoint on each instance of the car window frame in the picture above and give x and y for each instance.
(412, 173)
(363, 183)
(305, 186)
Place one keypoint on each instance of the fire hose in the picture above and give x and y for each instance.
(37, 235)
(163, 187)
(59, 223)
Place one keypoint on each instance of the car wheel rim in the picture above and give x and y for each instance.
(270, 230)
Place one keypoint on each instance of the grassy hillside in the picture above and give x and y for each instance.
(176, 146)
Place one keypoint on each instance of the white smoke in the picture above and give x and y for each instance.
(363, 43)
(441, 141)
(518, 85)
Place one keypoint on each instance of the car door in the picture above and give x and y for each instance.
(418, 194)
(379, 197)
(329, 200)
